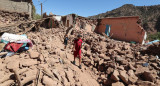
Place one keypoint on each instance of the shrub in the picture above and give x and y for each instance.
(154, 36)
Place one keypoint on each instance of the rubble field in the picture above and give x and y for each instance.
(105, 62)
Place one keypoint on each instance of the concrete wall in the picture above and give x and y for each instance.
(14, 6)
(123, 28)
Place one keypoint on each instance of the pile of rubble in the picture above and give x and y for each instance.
(106, 62)
(119, 63)
(7, 18)
(47, 63)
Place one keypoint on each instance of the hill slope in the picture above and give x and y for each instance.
(149, 15)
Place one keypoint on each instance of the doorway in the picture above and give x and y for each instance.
(107, 30)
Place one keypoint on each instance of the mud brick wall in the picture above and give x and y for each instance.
(16, 6)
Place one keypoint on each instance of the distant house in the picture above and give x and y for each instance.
(20, 6)
(122, 28)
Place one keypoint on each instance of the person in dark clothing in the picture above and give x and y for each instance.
(65, 41)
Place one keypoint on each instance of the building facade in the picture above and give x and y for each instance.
(122, 28)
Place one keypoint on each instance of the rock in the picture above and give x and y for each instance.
(115, 75)
(48, 81)
(88, 53)
(132, 77)
(107, 82)
(33, 54)
(101, 67)
(148, 76)
(124, 62)
(13, 64)
(145, 83)
(31, 73)
(96, 60)
(119, 59)
(106, 58)
(141, 70)
(132, 67)
(118, 84)
(129, 56)
(124, 76)
(28, 62)
(120, 67)
(126, 47)
(155, 65)
(102, 55)
(110, 70)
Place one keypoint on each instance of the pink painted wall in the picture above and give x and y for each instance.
(123, 28)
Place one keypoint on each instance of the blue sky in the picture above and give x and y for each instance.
(86, 7)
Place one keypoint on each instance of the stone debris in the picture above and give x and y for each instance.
(106, 62)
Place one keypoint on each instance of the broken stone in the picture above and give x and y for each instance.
(115, 75)
(13, 64)
(145, 83)
(119, 59)
(132, 77)
(118, 84)
(148, 76)
(110, 70)
(124, 76)
(28, 62)
(48, 81)
(33, 54)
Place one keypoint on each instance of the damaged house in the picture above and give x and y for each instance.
(68, 20)
(122, 28)
(20, 6)
(78, 22)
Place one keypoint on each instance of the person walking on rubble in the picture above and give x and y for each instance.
(77, 49)
(65, 41)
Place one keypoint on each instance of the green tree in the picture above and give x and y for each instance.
(35, 16)
(154, 36)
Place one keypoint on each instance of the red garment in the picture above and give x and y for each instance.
(78, 45)
(14, 47)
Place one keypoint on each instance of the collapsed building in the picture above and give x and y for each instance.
(106, 62)
(122, 28)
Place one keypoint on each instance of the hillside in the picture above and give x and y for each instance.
(149, 15)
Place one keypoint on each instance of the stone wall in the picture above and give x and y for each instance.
(15, 6)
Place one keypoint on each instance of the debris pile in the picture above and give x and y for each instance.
(45, 64)
(7, 18)
(119, 63)
(106, 62)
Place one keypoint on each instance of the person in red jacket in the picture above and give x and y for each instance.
(77, 49)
